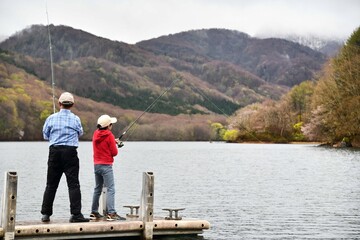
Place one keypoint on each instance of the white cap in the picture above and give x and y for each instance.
(66, 98)
(106, 120)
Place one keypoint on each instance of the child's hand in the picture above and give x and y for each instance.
(119, 143)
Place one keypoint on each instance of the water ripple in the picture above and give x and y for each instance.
(246, 191)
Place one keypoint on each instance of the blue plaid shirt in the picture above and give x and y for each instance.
(63, 128)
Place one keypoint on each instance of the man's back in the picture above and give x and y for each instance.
(63, 128)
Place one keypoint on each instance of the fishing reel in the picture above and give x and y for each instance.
(120, 144)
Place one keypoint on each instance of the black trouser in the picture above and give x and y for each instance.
(62, 159)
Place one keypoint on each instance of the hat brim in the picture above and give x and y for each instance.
(67, 103)
(113, 120)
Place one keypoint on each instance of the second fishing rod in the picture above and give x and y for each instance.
(148, 109)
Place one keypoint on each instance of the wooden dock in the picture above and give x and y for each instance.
(140, 225)
(106, 229)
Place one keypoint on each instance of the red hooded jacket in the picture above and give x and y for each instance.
(104, 147)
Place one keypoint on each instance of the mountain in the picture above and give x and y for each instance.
(113, 72)
(275, 61)
(231, 68)
(215, 71)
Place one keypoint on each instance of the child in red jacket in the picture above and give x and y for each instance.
(104, 149)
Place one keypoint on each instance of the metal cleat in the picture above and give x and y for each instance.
(132, 211)
(175, 210)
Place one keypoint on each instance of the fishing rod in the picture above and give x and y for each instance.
(51, 61)
(147, 109)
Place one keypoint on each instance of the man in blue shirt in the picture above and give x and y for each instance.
(62, 130)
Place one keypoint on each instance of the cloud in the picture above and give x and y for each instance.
(135, 20)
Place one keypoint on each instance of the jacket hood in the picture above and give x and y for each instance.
(100, 135)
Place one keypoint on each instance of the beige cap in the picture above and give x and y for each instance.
(106, 120)
(66, 98)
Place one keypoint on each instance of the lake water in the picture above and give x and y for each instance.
(245, 191)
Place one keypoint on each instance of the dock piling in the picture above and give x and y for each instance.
(9, 205)
(147, 205)
(102, 202)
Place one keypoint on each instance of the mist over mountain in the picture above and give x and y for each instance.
(3, 37)
(326, 45)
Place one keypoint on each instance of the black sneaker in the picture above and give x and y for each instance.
(78, 218)
(96, 216)
(45, 218)
(113, 217)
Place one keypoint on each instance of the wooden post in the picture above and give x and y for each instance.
(9, 205)
(147, 205)
(102, 202)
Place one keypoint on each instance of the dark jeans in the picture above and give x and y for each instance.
(62, 159)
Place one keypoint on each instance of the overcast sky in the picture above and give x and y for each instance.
(131, 21)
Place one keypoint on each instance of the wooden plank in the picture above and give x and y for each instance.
(81, 230)
(104, 229)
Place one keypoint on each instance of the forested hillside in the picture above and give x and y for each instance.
(326, 110)
(276, 61)
(216, 71)
(26, 101)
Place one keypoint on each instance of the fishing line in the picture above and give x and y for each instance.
(204, 96)
(51, 61)
(147, 110)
